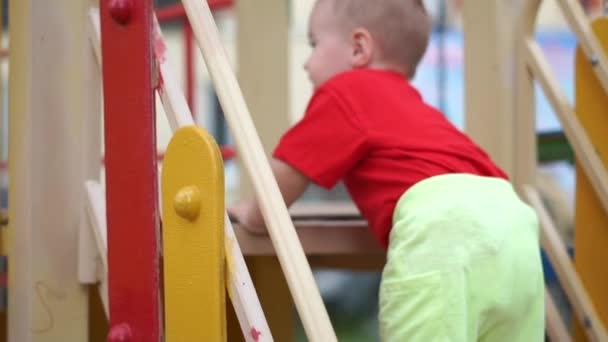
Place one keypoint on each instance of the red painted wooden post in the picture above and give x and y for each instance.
(130, 147)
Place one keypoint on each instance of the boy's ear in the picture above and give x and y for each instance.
(363, 48)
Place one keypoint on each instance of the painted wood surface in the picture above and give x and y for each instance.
(591, 218)
(193, 238)
(130, 159)
(48, 92)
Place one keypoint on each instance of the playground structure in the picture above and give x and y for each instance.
(57, 216)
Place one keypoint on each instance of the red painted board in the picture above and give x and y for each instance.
(130, 156)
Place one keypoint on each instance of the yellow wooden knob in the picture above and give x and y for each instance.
(187, 202)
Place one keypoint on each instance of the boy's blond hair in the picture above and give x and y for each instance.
(401, 27)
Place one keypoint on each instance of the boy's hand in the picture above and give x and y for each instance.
(291, 183)
(243, 214)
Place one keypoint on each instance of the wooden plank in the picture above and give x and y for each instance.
(588, 42)
(591, 218)
(46, 103)
(193, 238)
(89, 255)
(242, 293)
(169, 89)
(525, 159)
(274, 296)
(571, 283)
(95, 208)
(583, 147)
(324, 210)
(94, 31)
(266, 93)
(293, 261)
(130, 159)
(555, 326)
(488, 28)
(318, 238)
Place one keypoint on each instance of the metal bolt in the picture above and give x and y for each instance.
(120, 333)
(594, 61)
(121, 11)
(187, 202)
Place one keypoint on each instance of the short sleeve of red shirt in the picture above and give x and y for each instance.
(326, 143)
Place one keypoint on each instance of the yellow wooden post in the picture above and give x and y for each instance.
(591, 221)
(193, 238)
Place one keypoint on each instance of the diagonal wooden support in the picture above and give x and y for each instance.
(552, 244)
(554, 325)
(580, 24)
(591, 220)
(577, 136)
(281, 229)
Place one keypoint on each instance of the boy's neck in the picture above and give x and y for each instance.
(379, 65)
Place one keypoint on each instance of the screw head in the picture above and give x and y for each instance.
(187, 202)
(121, 11)
(120, 333)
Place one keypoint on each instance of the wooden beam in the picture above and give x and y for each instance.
(263, 74)
(289, 250)
(525, 141)
(585, 152)
(568, 278)
(266, 93)
(319, 238)
(194, 258)
(91, 260)
(489, 33)
(554, 325)
(48, 92)
(591, 218)
(131, 175)
(95, 209)
(593, 50)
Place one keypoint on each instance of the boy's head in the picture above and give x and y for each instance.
(350, 34)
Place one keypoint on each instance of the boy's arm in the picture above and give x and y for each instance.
(292, 184)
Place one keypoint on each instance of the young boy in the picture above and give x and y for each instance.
(463, 260)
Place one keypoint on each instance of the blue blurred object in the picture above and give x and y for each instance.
(445, 56)
(550, 274)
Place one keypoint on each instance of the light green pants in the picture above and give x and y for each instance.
(463, 264)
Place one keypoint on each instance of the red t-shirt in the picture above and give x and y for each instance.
(372, 129)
